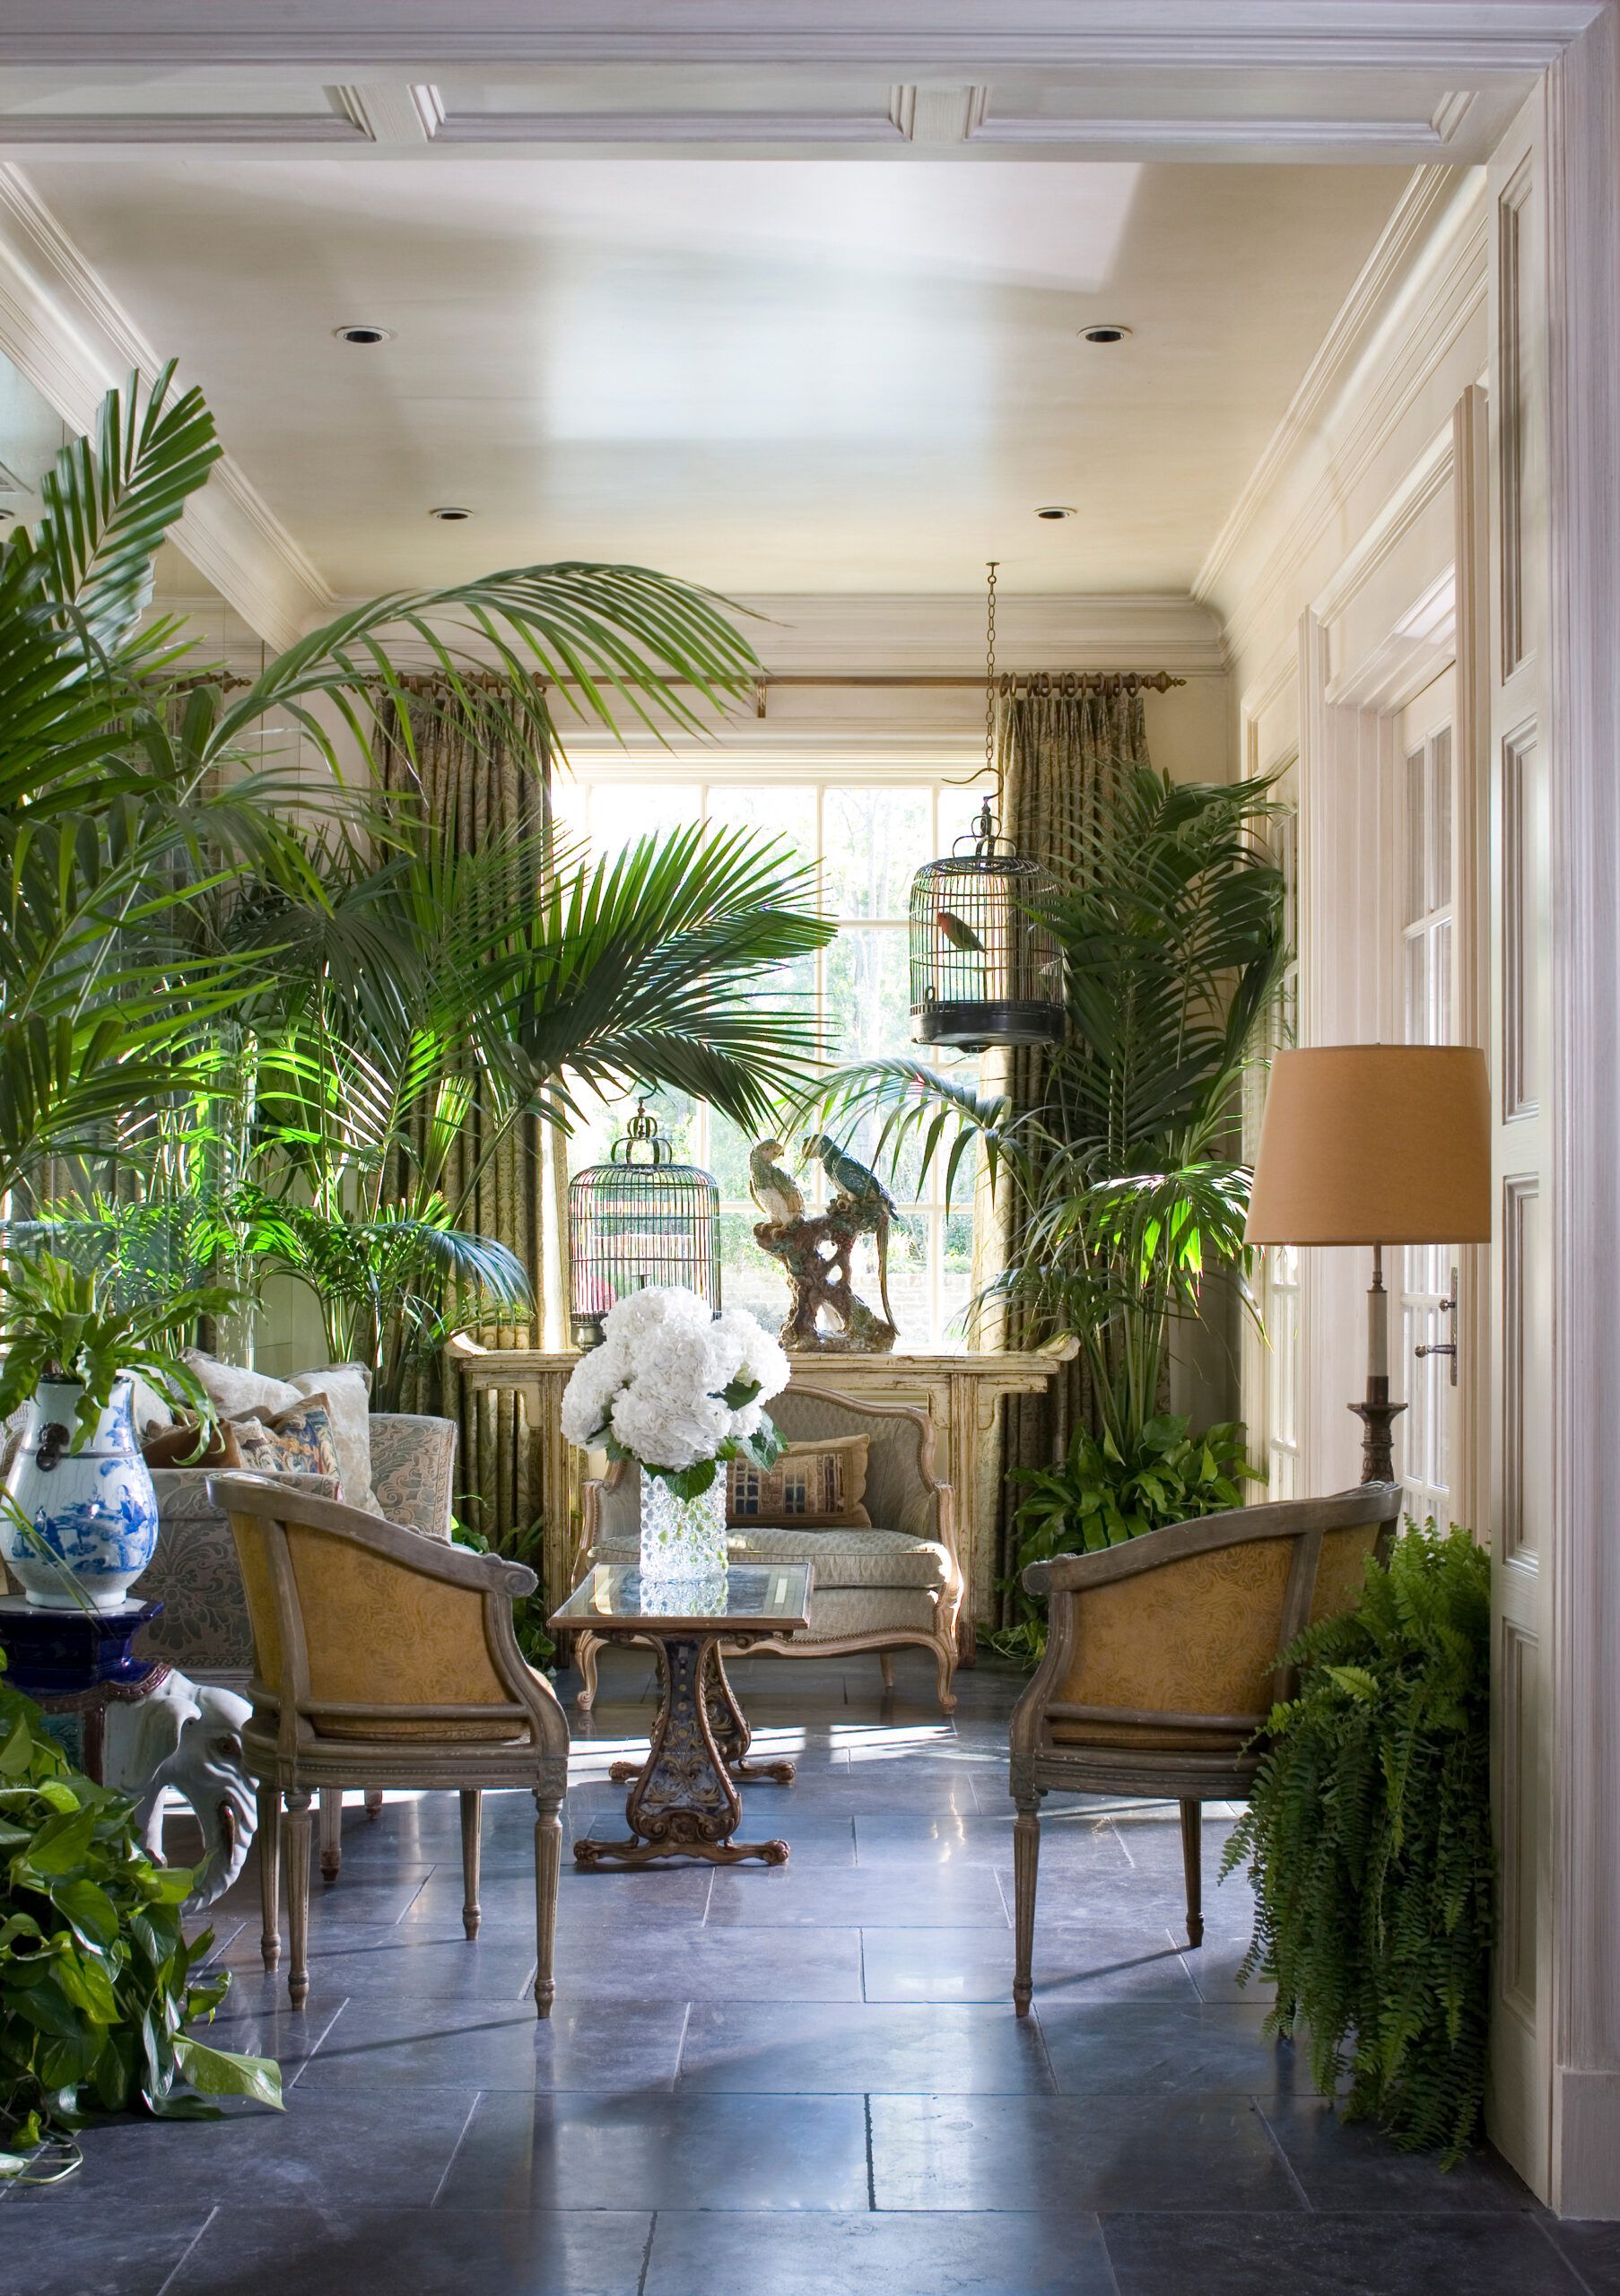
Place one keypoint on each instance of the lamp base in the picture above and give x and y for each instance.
(1377, 1414)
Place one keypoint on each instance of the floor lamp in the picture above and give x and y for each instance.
(1379, 1144)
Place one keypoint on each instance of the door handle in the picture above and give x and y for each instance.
(1448, 1308)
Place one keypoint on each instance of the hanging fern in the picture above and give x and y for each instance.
(1368, 1839)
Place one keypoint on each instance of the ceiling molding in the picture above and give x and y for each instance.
(64, 332)
(71, 129)
(1259, 133)
(393, 111)
(520, 128)
(1248, 34)
(922, 634)
(1438, 208)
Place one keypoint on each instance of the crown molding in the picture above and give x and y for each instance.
(65, 333)
(1243, 35)
(926, 634)
(1424, 284)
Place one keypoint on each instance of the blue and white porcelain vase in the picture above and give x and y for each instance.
(95, 1508)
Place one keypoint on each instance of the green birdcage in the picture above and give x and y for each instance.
(642, 1218)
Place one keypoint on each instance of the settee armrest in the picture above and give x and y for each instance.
(414, 1470)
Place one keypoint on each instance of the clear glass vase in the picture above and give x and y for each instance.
(683, 1546)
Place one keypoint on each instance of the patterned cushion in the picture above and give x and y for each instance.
(819, 1482)
(294, 1441)
(345, 1390)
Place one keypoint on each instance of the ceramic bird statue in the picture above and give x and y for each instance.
(774, 1190)
(864, 1188)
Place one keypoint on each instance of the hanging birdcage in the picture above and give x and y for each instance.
(985, 969)
(640, 1219)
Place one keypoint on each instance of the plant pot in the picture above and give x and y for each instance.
(683, 1546)
(95, 1508)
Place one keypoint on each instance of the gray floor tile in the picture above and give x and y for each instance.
(1068, 2155)
(1346, 2166)
(1594, 2249)
(356, 2251)
(54, 2254)
(672, 2151)
(320, 2152)
(728, 1964)
(1166, 2048)
(584, 2044)
(947, 2255)
(1078, 1962)
(793, 2049)
(1334, 2256)
(861, 1899)
(438, 1962)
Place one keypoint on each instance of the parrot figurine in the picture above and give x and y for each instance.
(864, 1188)
(774, 1190)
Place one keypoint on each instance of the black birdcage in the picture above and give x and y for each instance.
(640, 1219)
(985, 969)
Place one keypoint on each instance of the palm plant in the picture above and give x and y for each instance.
(132, 800)
(1124, 1195)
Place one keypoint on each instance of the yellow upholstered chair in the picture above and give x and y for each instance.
(383, 1659)
(1161, 1664)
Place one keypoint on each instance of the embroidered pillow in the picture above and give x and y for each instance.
(343, 1387)
(818, 1484)
(294, 1441)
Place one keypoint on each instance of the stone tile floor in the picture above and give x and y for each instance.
(780, 2083)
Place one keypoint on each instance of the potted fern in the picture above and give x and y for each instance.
(1368, 1840)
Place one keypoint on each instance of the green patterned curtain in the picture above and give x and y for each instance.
(1057, 754)
(470, 778)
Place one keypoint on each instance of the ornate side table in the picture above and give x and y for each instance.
(137, 1724)
(684, 1802)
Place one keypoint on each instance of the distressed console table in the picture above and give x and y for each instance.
(960, 1394)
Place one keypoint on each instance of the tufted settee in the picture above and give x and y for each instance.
(896, 1585)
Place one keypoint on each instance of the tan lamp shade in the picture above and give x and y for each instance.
(1375, 1143)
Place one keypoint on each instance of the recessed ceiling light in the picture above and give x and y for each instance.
(363, 334)
(1105, 331)
(450, 513)
(1056, 510)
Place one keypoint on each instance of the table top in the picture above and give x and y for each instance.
(759, 1595)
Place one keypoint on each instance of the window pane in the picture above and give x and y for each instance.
(869, 995)
(1416, 812)
(1440, 833)
(874, 841)
(749, 1277)
(911, 1288)
(787, 813)
(620, 811)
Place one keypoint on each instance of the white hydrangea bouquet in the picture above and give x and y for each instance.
(678, 1390)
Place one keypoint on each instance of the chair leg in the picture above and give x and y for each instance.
(1026, 1857)
(298, 1894)
(374, 1800)
(269, 1836)
(885, 1660)
(548, 1873)
(944, 1674)
(472, 1810)
(586, 1658)
(1192, 1859)
(331, 1832)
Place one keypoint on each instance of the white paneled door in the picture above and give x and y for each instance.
(1427, 814)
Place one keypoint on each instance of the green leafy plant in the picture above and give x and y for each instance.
(1100, 1496)
(97, 1980)
(60, 1324)
(527, 1545)
(1368, 1840)
(1123, 1193)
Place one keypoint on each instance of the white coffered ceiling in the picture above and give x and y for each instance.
(783, 294)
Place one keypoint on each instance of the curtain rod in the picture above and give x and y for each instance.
(1028, 685)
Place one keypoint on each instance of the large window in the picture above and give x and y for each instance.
(865, 838)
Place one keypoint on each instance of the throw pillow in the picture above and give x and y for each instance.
(176, 1446)
(296, 1442)
(818, 1484)
(346, 1388)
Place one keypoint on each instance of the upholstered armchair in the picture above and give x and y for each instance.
(1162, 1666)
(385, 1659)
(891, 1585)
